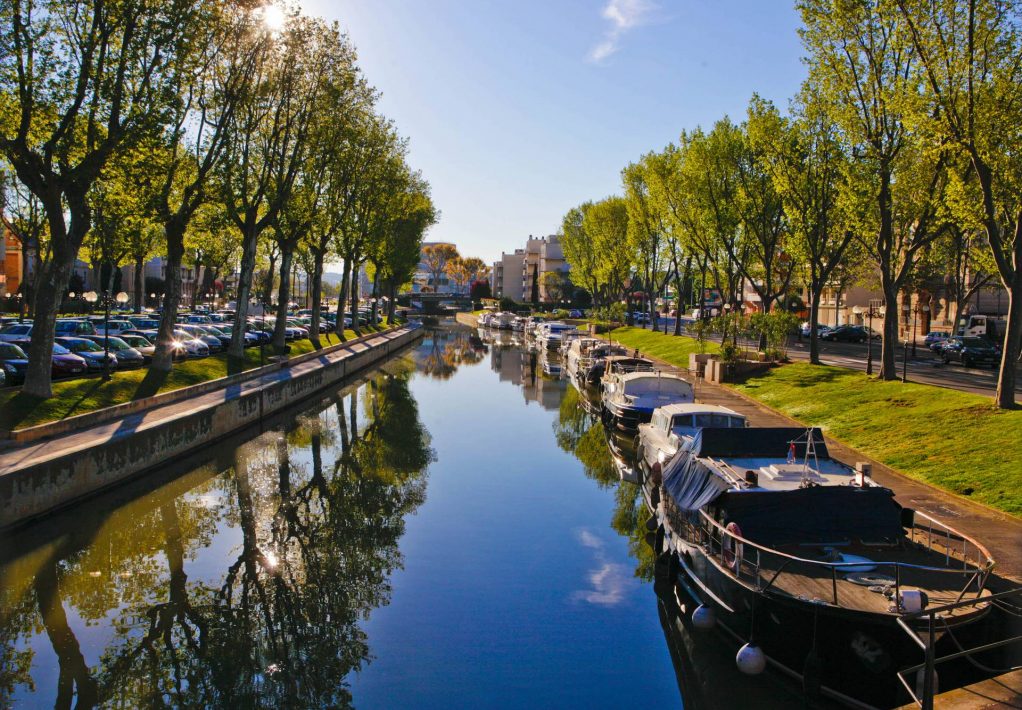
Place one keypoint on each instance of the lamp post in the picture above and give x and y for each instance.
(871, 311)
(918, 309)
(92, 297)
(904, 357)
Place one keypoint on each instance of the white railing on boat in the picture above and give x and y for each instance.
(723, 544)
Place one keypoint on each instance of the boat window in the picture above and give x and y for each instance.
(682, 421)
(712, 420)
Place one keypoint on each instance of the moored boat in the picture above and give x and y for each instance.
(629, 398)
(811, 563)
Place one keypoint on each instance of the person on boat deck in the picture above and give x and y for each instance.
(636, 353)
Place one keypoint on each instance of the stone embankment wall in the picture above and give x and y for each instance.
(42, 477)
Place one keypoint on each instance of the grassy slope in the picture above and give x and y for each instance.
(74, 397)
(954, 440)
(672, 349)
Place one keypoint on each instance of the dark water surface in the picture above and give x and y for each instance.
(448, 532)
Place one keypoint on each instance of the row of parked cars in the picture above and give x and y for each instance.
(969, 351)
(130, 341)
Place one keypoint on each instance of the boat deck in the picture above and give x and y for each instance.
(873, 590)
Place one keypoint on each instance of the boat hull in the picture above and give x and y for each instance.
(853, 653)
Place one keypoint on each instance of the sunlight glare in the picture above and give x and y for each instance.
(273, 18)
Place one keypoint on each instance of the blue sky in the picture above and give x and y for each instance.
(517, 111)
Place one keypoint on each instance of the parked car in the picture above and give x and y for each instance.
(198, 319)
(141, 344)
(576, 314)
(935, 340)
(845, 334)
(115, 327)
(15, 331)
(251, 339)
(13, 363)
(74, 327)
(970, 351)
(193, 346)
(63, 362)
(180, 352)
(89, 351)
(144, 322)
(127, 356)
(214, 343)
(807, 329)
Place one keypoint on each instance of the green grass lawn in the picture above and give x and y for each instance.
(73, 397)
(954, 440)
(673, 349)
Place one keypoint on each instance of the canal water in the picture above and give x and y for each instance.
(450, 531)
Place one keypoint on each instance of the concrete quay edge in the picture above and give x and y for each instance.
(82, 421)
(52, 473)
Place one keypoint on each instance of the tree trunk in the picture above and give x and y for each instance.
(317, 298)
(342, 297)
(1005, 396)
(163, 358)
(815, 291)
(250, 241)
(354, 296)
(283, 298)
(889, 347)
(55, 276)
(139, 283)
(376, 296)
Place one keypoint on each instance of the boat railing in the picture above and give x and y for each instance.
(743, 559)
(936, 621)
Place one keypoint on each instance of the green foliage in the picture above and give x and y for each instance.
(774, 327)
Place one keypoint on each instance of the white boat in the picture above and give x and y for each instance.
(586, 358)
(812, 565)
(551, 334)
(673, 425)
(629, 399)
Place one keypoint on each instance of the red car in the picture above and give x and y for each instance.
(64, 363)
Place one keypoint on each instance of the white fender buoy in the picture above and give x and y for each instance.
(704, 617)
(750, 659)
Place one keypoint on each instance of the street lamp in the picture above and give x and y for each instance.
(871, 311)
(919, 309)
(904, 357)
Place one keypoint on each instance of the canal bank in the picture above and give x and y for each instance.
(95, 452)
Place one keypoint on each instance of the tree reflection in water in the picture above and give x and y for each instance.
(445, 349)
(314, 515)
(580, 433)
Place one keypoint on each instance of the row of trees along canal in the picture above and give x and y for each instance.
(159, 127)
(897, 162)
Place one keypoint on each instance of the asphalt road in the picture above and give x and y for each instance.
(925, 368)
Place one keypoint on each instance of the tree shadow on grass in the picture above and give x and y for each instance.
(151, 383)
(17, 409)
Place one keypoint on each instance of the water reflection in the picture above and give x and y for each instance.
(305, 568)
(245, 588)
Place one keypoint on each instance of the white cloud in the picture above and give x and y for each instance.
(610, 582)
(589, 540)
(622, 15)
